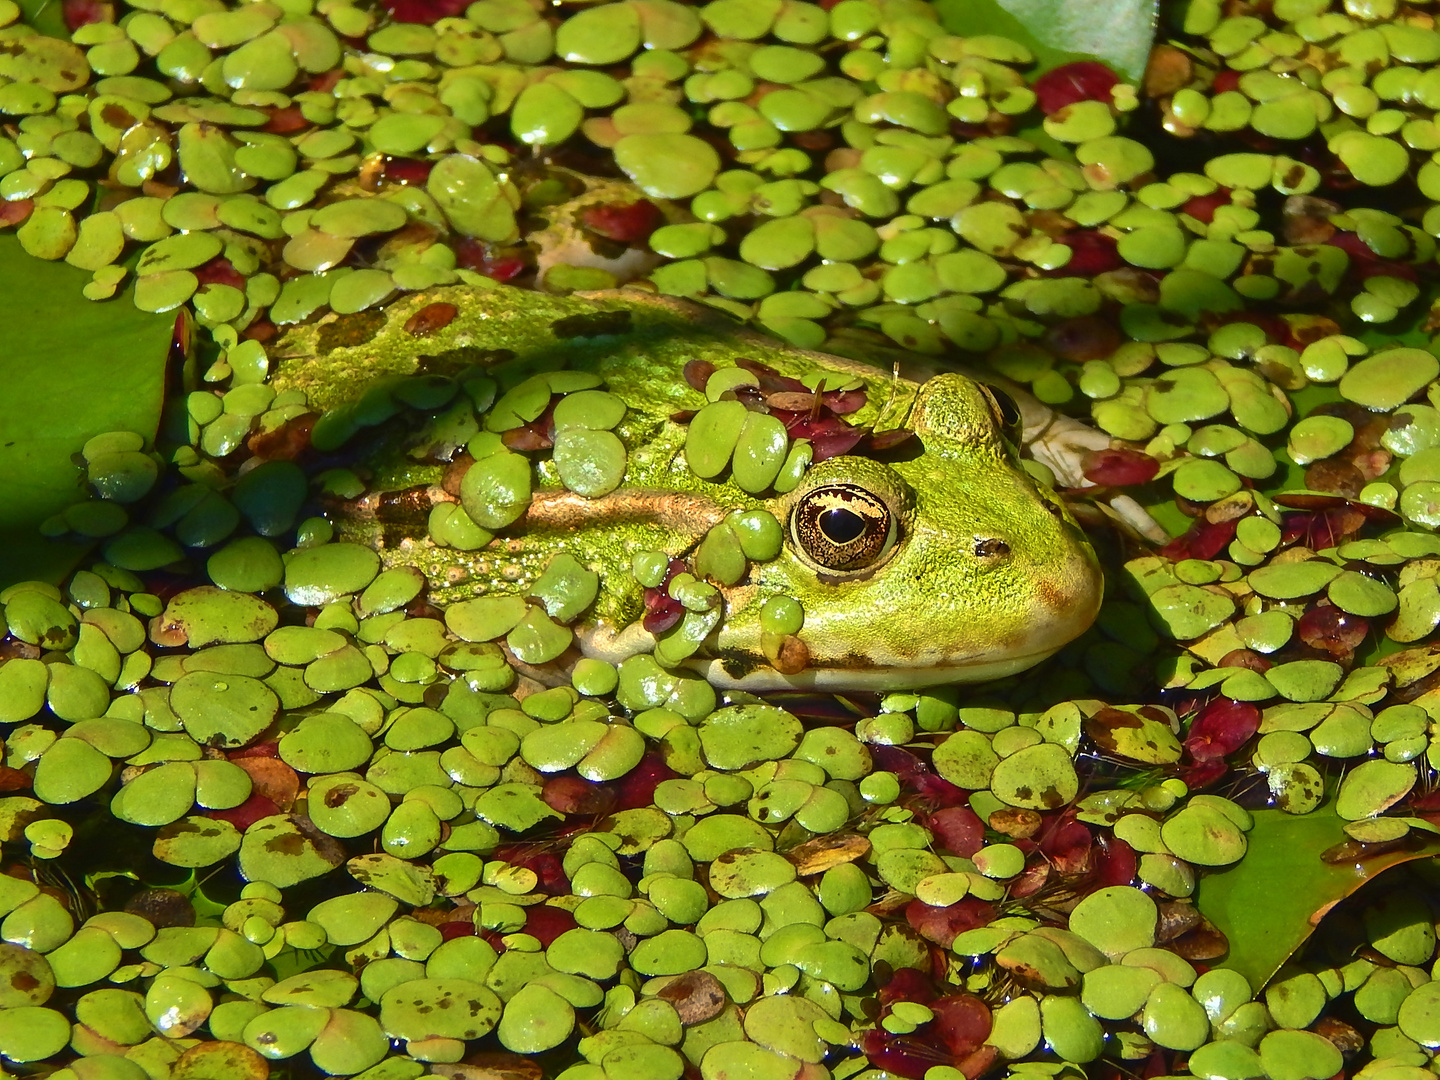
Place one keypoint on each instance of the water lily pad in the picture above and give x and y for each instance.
(1267, 904)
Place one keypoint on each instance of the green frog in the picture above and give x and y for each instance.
(620, 474)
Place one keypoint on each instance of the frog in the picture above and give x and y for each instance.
(925, 554)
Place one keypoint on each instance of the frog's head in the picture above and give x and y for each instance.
(952, 566)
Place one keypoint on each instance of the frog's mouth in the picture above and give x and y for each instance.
(742, 669)
(722, 675)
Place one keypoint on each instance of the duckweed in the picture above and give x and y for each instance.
(381, 845)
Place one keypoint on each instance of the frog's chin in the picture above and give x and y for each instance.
(878, 679)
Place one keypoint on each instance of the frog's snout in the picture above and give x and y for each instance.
(1067, 594)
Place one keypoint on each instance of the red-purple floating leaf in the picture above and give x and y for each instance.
(795, 401)
(844, 402)
(835, 443)
(254, 808)
(496, 263)
(423, 11)
(662, 611)
(1331, 630)
(958, 830)
(1205, 540)
(908, 984)
(1359, 251)
(1083, 338)
(1203, 774)
(15, 211)
(407, 171)
(529, 437)
(697, 374)
(1118, 468)
(1115, 861)
(576, 795)
(1202, 207)
(637, 787)
(962, 1021)
(80, 13)
(943, 925)
(1068, 844)
(547, 923)
(631, 223)
(901, 1055)
(1091, 253)
(771, 381)
(1084, 80)
(1220, 728)
(219, 271)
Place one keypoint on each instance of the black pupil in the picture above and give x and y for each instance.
(1009, 411)
(842, 526)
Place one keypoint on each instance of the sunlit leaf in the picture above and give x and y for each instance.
(1119, 32)
(72, 369)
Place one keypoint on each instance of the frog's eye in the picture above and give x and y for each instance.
(842, 527)
(1006, 413)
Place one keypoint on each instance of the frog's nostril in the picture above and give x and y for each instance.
(991, 548)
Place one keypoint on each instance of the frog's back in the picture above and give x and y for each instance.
(638, 342)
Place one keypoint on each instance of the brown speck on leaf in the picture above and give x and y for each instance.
(348, 330)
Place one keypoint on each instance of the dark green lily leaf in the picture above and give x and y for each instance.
(47, 16)
(61, 389)
(1118, 32)
(1268, 903)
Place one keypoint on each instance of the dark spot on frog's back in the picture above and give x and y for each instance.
(349, 330)
(454, 361)
(592, 324)
(410, 507)
(431, 318)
